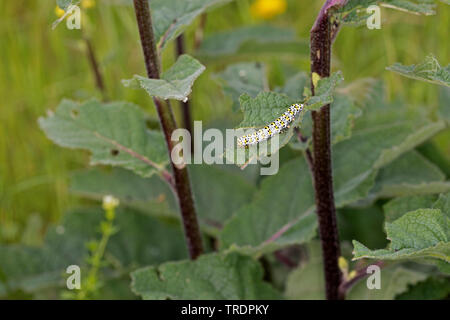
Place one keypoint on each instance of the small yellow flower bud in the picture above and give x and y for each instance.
(59, 12)
(352, 274)
(343, 264)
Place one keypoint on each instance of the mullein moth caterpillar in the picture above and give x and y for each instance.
(272, 128)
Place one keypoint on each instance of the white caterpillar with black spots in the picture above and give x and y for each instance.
(273, 128)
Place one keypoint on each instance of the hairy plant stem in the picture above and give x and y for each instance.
(320, 44)
(182, 181)
(186, 109)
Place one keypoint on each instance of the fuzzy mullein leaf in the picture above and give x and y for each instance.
(324, 91)
(263, 109)
(444, 103)
(429, 70)
(419, 234)
(33, 269)
(240, 78)
(397, 207)
(343, 116)
(433, 288)
(218, 193)
(380, 136)
(175, 83)
(150, 195)
(410, 174)
(356, 162)
(230, 42)
(64, 4)
(294, 86)
(443, 203)
(171, 17)
(354, 12)
(275, 218)
(394, 280)
(223, 276)
(115, 133)
(310, 275)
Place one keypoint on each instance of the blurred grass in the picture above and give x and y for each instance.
(40, 66)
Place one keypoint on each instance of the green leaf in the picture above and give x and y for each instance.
(343, 115)
(229, 42)
(213, 276)
(433, 288)
(425, 7)
(288, 49)
(429, 70)
(175, 83)
(419, 234)
(266, 107)
(355, 165)
(307, 281)
(443, 204)
(380, 136)
(413, 138)
(324, 91)
(397, 207)
(140, 240)
(246, 77)
(276, 216)
(295, 85)
(353, 13)
(217, 192)
(144, 194)
(444, 103)
(171, 17)
(410, 174)
(64, 4)
(364, 224)
(394, 280)
(115, 133)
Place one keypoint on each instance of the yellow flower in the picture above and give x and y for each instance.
(267, 9)
(87, 4)
(59, 12)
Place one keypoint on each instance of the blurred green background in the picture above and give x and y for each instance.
(41, 66)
